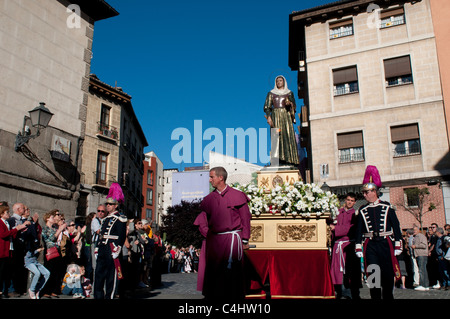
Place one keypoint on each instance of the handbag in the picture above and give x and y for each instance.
(52, 252)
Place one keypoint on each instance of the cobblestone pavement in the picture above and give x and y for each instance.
(183, 286)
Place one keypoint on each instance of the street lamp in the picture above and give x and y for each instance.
(40, 116)
(325, 187)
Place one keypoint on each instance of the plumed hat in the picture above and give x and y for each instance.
(372, 180)
(115, 195)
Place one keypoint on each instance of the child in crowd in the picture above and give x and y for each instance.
(72, 282)
(85, 283)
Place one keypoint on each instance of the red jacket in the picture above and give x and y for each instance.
(5, 239)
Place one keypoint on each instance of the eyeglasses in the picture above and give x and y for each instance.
(367, 192)
(110, 204)
(100, 211)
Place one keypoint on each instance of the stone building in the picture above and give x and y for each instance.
(113, 149)
(45, 57)
(373, 80)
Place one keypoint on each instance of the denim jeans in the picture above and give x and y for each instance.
(41, 275)
(423, 274)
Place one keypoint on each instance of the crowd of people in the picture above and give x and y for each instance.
(52, 256)
(423, 258)
(182, 260)
(424, 262)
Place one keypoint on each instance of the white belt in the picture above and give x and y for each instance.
(341, 255)
(235, 233)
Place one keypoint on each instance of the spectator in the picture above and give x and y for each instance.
(19, 273)
(96, 226)
(50, 233)
(420, 246)
(33, 249)
(414, 267)
(6, 234)
(441, 250)
(71, 284)
(85, 283)
(149, 251)
(87, 242)
(432, 265)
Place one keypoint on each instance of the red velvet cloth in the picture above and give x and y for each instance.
(291, 273)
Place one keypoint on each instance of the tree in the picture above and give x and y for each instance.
(179, 224)
(416, 198)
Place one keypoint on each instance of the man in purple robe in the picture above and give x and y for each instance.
(228, 233)
(345, 265)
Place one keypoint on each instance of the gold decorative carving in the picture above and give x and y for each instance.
(297, 233)
(257, 233)
(277, 180)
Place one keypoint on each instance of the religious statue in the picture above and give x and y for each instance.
(280, 111)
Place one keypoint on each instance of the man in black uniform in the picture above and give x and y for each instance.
(111, 239)
(377, 228)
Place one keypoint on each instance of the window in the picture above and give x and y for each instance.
(341, 29)
(150, 177)
(405, 140)
(102, 166)
(104, 116)
(397, 71)
(345, 81)
(351, 147)
(149, 214)
(411, 196)
(149, 196)
(392, 17)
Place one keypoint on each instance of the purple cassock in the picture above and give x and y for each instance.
(343, 240)
(228, 223)
(202, 222)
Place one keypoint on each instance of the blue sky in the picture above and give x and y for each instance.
(181, 61)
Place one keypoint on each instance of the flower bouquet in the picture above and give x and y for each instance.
(298, 200)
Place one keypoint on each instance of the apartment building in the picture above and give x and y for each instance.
(113, 149)
(372, 82)
(153, 189)
(45, 56)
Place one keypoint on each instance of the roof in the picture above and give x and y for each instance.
(96, 9)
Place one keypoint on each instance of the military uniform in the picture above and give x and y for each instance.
(377, 227)
(111, 239)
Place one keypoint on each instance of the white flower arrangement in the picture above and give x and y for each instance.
(299, 200)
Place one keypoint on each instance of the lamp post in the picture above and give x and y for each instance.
(40, 116)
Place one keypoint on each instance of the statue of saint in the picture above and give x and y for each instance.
(280, 111)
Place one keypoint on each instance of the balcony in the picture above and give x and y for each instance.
(107, 131)
(103, 180)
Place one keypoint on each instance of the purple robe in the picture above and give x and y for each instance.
(343, 233)
(228, 223)
(202, 222)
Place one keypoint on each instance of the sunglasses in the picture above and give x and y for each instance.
(100, 211)
(110, 204)
(71, 225)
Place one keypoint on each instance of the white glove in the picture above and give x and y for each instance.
(397, 252)
(359, 254)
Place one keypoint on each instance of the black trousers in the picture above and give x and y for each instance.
(105, 278)
(380, 272)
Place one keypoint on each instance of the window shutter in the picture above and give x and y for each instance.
(345, 75)
(391, 13)
(397, 67)
(404, 133)
(350, 140)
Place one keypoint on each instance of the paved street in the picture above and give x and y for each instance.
(182, 286)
